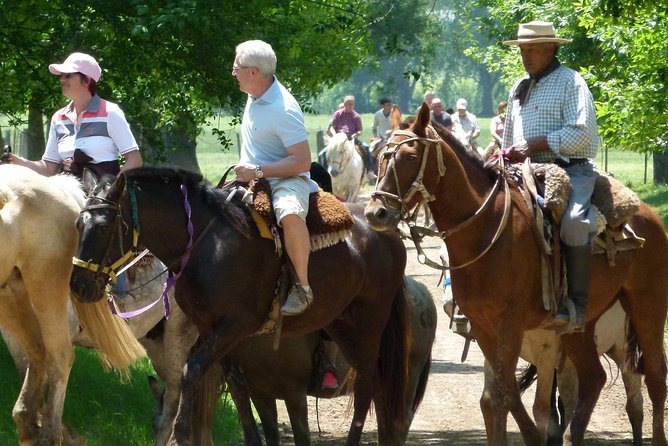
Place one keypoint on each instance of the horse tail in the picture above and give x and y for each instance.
(207, 393)
(421, 385)
(527, 377)
(109, 334)
(633, 360)
(393, 361)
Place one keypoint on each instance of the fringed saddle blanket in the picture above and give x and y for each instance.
(328, 220)
(613, 201)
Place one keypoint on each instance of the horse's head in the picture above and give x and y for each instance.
(104, 240)
(405, 178)
(339, 151)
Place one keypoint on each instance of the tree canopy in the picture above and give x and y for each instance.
(167, 62)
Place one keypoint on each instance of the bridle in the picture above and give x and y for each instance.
(345, 159)
(417, 186)
(112, 270)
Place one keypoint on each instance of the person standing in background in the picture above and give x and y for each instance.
(465, 125)
(439, 116)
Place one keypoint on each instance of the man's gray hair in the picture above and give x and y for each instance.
(257, 53)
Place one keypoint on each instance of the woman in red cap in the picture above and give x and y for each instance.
(89, 131)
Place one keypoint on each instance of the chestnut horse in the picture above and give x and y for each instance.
(227, 285)
(496, 272)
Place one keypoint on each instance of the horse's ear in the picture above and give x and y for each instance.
(422, 119)
(395, 116)
(90, 181)
(117, 187)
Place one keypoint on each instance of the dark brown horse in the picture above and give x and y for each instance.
(496, 272)
(227, 285)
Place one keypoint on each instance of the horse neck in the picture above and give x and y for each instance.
(461, 191)
(163, 221)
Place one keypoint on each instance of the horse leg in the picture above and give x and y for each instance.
(238, 389)
(365, 378)
(567, 381)
(198, 382)
(18, 319)
(268, 413)
(494, 413)
(648, 322)
(581, 349)
(541, 405)
(168, 354)
(506, 350)
(632, 386)
(50, 301)
(297, 407)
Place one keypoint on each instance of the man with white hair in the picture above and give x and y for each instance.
(275, 146)
(551, 118)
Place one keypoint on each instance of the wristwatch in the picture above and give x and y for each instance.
(258, 172)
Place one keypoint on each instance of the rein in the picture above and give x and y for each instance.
(418, 232)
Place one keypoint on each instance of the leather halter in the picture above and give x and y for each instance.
(112, 270)
(417, 232)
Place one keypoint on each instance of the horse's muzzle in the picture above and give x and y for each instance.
(380, 217)
(86, 286)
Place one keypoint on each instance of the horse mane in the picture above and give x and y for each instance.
(231, 211)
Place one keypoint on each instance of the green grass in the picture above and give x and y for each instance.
(102, 409)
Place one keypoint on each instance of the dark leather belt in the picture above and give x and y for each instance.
(571, 162)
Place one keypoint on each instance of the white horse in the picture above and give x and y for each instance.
(39, 238)
(345, 166)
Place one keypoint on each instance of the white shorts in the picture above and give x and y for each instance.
(290, 196)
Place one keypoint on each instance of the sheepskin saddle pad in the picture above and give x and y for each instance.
(614, 204)
(328, 220)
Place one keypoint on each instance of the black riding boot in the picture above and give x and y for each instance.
(578, 276)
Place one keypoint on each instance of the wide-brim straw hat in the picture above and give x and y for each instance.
(536, 32)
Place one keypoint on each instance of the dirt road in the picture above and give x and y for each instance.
(450, 413)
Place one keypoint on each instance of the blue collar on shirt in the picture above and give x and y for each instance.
(270, 93)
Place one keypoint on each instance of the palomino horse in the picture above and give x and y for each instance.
(496, 273)
(38, 237)
(227, 275)
(345, 166)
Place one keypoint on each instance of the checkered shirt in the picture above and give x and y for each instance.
(559, 106)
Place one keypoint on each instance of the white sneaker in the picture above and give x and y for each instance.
(299, 299)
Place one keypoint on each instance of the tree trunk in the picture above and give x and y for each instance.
(181, 150)
(660, 166)
(35, 134)
(487, 82)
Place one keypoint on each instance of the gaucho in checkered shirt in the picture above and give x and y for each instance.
(551, 118)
